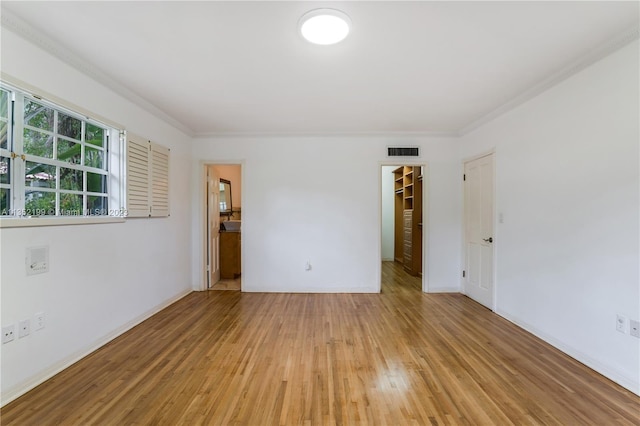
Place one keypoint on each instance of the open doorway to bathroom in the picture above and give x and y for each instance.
(403, 203)
(224, 226)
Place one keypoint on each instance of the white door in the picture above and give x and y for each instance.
(479, 239)
(213, 226)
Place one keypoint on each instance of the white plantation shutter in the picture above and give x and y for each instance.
(137, 177)
(159, 180)
(147, 178)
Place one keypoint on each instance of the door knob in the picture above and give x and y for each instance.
(488, 240)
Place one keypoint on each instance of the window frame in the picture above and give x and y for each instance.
(113, 162)
(6, 152)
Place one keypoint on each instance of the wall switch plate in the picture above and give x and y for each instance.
(621, 323)
(38, 321)
(24, 328)
(634, 328)
(8, 333)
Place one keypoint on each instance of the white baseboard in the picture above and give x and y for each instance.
(621, 379)
(25, 386)
(443, 289)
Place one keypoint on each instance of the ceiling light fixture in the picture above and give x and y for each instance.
(324, 26)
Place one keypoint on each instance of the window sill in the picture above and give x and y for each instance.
(23, 222)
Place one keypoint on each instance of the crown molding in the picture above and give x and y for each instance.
(596, 54)
(13, 23)
(396, 134)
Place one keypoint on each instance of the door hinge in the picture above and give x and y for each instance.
(464, 273)
(464, 177)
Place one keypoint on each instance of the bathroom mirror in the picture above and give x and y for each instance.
(225, 198)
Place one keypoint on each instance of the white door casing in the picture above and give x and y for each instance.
(213, 225)
(479, 235)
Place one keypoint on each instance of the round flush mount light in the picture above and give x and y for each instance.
(324, 26)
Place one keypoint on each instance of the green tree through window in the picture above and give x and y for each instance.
(63, 159)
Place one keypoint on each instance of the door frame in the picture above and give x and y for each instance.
(403, 161)
(463, 280)
(200, 254)
(212, 176)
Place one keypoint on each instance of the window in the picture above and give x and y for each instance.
(5, 163)
(53, 161)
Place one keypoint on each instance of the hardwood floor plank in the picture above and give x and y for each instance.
(395, 358)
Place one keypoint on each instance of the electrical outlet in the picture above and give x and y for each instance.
(8, 333)
(24, 328)
(634, 328)
(621, 323)
(38, 323)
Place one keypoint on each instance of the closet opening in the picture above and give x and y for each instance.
(403, 234)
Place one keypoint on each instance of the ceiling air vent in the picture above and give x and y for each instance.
(397, 151)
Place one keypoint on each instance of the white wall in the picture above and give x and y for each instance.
(103, 278)
(567, 252)
(567, 171)
(318, 199)
(388, 212)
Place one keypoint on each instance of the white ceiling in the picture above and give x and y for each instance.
(240, 67)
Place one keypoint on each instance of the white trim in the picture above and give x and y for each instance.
(379, 231)
(608, 372)
(444, 290)
(30, 383)
(56, 102)
(573, 68)
(20, 95)
(426, 252)
(407, 161)
(18, 26)
(200, 235)
(486, 153)
(352, 134)
(25, 222)
(202, 196)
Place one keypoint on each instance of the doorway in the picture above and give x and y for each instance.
(403, 230)
(479, 230)
(223, 226)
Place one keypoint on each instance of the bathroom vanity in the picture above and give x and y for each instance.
(230, 243)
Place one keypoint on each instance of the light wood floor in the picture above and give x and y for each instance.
(400, 357)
